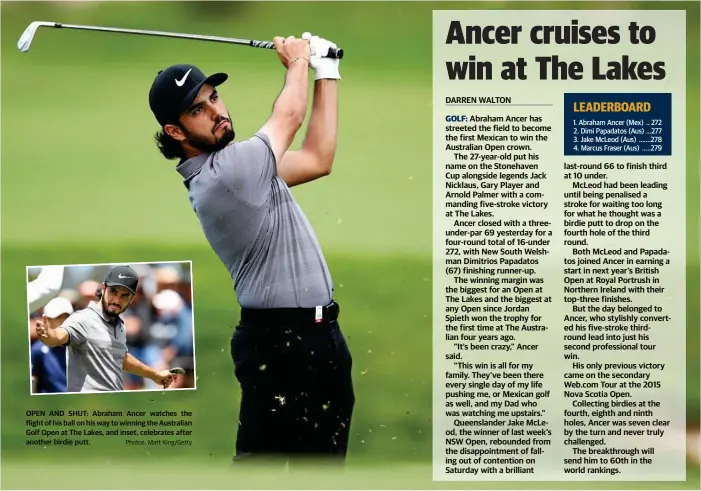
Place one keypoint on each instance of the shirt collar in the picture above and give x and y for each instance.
(97, 307)
(188, 168)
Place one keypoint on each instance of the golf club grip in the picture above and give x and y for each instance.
(336, 53)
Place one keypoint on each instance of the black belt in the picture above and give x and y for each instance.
(314, 315)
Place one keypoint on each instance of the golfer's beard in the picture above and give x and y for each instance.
(109, 314)
(209, 147)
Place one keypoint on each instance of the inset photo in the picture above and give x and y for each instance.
(111, 328)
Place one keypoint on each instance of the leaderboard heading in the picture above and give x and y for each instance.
(553, 67)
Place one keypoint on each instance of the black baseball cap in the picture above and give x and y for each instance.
(123, 276)
(174, 89)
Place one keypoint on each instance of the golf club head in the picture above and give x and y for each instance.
(177, 371)
(25, 40)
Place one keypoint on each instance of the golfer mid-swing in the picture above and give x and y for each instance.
(290, 356)
(97, 355)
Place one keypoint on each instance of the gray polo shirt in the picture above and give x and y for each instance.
(95, 352)
(256, 227)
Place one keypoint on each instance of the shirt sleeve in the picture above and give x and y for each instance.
(44, 287)
(248, 167)
(77, 332)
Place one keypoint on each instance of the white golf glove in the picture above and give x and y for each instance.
(324, 68)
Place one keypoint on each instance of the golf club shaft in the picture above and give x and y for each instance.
(333, 53)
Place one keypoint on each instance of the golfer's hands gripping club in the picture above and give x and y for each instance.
(292, 50)
(324, 68)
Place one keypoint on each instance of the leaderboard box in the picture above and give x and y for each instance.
(633, 124)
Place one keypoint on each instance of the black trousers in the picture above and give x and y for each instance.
(297, 393)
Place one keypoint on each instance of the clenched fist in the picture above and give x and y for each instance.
(42, 328)
(291, 49)
(324, 68)
(164, 378)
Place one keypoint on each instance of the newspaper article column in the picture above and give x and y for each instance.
(559, 245)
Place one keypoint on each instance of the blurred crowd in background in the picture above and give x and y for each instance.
(158, 322)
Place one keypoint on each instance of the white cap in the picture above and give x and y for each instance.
(168, 300)
(58, 306)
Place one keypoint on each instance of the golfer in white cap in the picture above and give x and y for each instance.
(57, 310)
(48, 364)
(45, 287)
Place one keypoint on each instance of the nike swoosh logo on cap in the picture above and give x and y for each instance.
(122, 276)
(181, 82)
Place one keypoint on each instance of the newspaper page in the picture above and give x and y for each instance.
(349, 245)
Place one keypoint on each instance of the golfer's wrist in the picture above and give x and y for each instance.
(326, 71)
(51, 337)
(327, 75)
(300, 59)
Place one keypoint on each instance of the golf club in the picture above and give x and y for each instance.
(27, 36)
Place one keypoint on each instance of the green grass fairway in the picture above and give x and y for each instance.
(156, 472)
